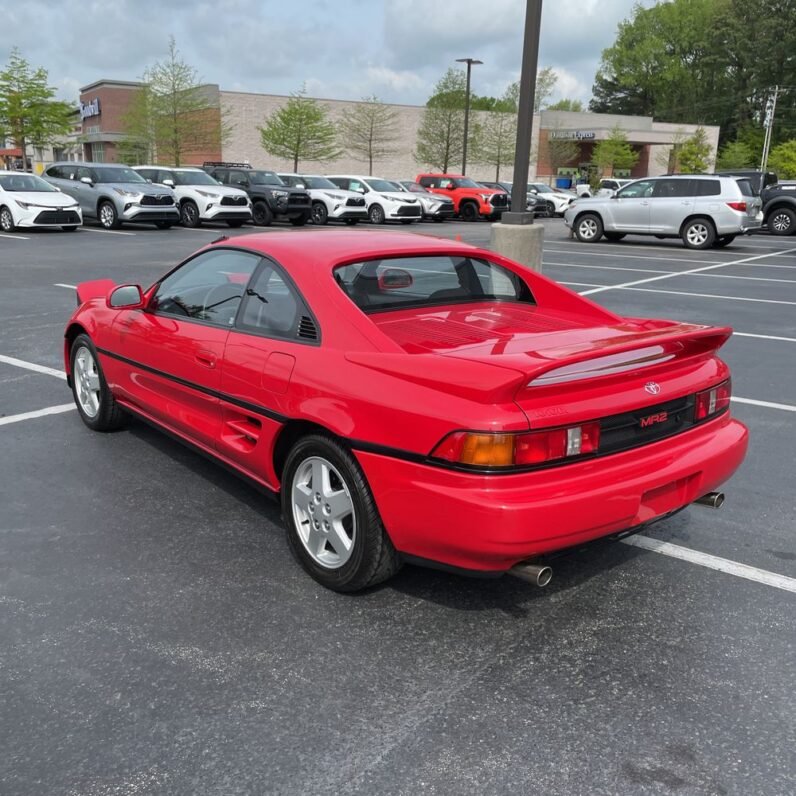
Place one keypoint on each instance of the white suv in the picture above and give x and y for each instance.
(200, 197)
(329, 203)
(383, 201)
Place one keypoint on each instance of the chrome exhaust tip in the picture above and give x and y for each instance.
(713, 499)
(538, 574)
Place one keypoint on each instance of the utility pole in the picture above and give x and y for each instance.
(768, 123)
(469, 62)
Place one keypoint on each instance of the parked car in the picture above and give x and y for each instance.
(114, 194)
(271, 198)
(533, 203)
(561, 199)
(435, 207)
(329, 203)
(29, 201)
(411, 398)
(702, 210)
(384, 201)
(200, 197)
(607, 186)
(471, 201)
(779, 199)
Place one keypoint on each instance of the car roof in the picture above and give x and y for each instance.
(168, 168)
(90, 164)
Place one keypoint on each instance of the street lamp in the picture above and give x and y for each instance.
(469, 62)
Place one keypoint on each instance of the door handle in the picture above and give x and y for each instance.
(206, 358)
(645, 204)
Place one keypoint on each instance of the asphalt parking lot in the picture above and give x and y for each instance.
(157, 637)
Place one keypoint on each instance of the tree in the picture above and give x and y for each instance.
(783, 159)
(498, 135)
(559, 151)
(735, 155)
(300, 130)
(614, 152)
(546, 80)
(28, 112)
(172, 114)
(566, 105)
(441, 132)
(368, 130)
(695, 153)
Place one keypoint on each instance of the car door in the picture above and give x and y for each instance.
(628, 210)
(173, 349)
(273, 331)
(86, 193)
(671, 202)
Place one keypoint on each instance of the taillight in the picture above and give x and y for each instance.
(518, 450)
(737, 206)
(711, 402)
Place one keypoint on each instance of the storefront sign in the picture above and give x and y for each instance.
(90, 108)
(578, 135)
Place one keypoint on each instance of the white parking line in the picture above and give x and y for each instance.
(698, 295)
(105, 231)
(50, 410)
(766, 404)
(765, 337)
(655, 271)
(681, 273)
(13, 237)
(713, 562)
(637, 257)
(20, 363)
(62, 284)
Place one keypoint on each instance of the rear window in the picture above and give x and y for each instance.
(747, 189)
(403, 282)
(707, 188)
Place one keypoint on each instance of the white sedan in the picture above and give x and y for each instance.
(28, 201)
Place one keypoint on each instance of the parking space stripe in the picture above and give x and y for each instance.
(766, 404)
(105, 231)
(713, 562)
(62, 284)
(50, 410)
(638, 257)
(20, 363)
(682, 273)
(610, 268)
(686, 293)
(765, 337)
(13, 237)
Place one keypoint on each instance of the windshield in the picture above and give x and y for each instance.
(105, 174)
(264, 178)
(540, 187)
(381, 185)
(193, 178)
(25, 182)
(402, 282)
(319, 182)
(413, 187)
(397, 186)
(466, 182)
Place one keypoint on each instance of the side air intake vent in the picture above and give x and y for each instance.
(307, 329)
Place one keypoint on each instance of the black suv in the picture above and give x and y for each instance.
(779, 199)
(271, 198)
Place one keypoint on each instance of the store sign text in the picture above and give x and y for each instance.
(579, 135)
(90, 108)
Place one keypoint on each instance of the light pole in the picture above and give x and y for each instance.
(469, 62)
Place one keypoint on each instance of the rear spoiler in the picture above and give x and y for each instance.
(622, 354)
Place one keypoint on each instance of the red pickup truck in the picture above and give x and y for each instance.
(470, 200)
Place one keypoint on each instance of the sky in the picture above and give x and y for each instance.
(340, 49)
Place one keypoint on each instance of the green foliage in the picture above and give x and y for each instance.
(783, 160)
(28, 112)
(498, 139)
(369, 130)
(735, 155)
(300, 130)
(614, 152)
(546, 80)
(172, 115)
(694, 154)
(566, 105)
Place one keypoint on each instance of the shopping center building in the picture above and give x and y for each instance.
(104, 102)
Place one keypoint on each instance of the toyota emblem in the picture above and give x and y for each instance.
(652, 387)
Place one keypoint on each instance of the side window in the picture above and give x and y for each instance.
(707, 187)
(82, 172)
(340, 182)
(55, 172)
(746, 188)
(162, 174)
(637, 190)
(445, 183)
(272, 305)
(148, 174)
(428, 182)
(358, 186)
(207, 288)
(669, 189)
(238, 178)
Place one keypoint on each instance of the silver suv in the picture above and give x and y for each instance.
(702, 210)
(113, 194)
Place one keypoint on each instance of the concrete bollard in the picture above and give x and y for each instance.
(519, 242)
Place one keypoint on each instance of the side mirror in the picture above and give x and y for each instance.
(87, 180)
(395, 279)
(169, 182)
(129, 297)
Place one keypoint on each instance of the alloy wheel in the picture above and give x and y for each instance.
(107, 215)
(588, 228)
(87, 382)
(780, 223)
(6, 220)
(698, 234)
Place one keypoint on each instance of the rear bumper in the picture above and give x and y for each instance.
(489, 523)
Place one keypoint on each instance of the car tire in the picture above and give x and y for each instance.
(7, 220)
(723, 240)
(698, 233)
(189, 215)
(376, 214)
(262, 215)
(69, 229)
(614, 236)
(549, 210)
(781, 221)
(107, 215)
(589, 228)
(300, 221)
(351, 222)
(320, 215)
(95, 403)
(234, 224)
(468, 211)
(359, 554)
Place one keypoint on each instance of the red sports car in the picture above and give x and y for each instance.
(410, 398)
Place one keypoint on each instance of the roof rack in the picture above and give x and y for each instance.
(226, 164)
